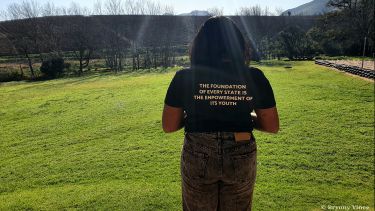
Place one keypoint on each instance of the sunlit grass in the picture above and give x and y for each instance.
(95, 142)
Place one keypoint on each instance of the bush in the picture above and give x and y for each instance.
(10, 76)
(53, 68)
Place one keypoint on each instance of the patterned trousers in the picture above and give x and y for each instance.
(217, 172)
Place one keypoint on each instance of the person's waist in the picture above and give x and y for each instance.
(217, 127)
(223, 134)
(211, 142)
(213, 134)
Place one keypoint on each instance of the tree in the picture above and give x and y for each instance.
(24, 34)
(295, 43)
(279, 11)
(169, 10)
(270, 47)
(114, 7)
(80, 36)
(76, 9)
(343, 4)
(49, 9)
(31, 35)
(345, 29)
(98, 8)
(114, 44)
(23, 43)
(255, 10)
(325, 42)
(215, 11)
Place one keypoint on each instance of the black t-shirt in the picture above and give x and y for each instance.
(219, 100)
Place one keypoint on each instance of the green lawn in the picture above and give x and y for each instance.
(96, 142)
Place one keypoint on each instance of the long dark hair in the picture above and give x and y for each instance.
(219, 43)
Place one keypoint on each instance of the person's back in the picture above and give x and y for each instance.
(219, 100)
(213, 101)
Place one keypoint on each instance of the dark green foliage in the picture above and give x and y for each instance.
(343, 31)
(53, 67)
(271, 48)
(295, 43)
(67, 66)
(11, 76)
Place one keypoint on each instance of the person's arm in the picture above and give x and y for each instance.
(266, 120)
(173, 118)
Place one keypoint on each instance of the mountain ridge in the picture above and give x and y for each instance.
(315, 7)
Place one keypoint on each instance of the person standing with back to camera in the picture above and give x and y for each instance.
(215, 100)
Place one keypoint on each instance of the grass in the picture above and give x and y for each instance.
(96, 142)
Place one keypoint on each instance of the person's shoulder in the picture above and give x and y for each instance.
(254, 70)
(183, 71)
(183, 74)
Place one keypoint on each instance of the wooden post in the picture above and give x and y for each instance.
(364, 51)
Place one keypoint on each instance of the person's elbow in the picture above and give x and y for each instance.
(172, 119)
(170, 126)
(267, 120)
(273, 129)
(169, 129)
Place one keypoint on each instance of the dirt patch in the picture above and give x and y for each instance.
(369, 65)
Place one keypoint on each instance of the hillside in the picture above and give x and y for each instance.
(316, 7)
(153, 30)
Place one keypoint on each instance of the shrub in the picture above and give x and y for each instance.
(10, 76)
(53, 67)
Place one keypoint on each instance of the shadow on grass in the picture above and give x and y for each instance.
(286, 64)
(275, 63)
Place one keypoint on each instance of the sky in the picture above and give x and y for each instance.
(184, 6)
